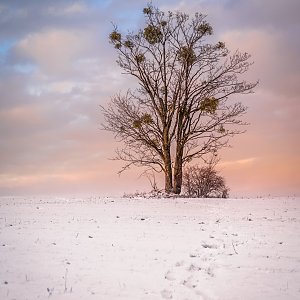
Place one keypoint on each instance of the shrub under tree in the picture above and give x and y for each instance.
(204, 182)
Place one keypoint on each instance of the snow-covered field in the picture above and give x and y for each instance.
(98, 248)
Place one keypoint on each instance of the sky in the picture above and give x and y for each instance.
(57, 67)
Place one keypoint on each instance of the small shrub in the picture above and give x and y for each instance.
(204, 182)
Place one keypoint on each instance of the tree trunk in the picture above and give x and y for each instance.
(167, 161)
(168, 181)
(168, 172)
(178, 171)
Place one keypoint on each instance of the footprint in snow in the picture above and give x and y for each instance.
(180, 263)
(166, 294)
(210, 246)
(170, 276)
(188, 274)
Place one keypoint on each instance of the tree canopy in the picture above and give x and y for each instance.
(180, 110)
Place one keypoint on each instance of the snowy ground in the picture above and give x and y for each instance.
(149, 249)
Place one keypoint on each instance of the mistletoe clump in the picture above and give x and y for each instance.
(153, 34)
(209, 105)
(187, 54)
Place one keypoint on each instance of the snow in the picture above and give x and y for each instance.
(102, 248)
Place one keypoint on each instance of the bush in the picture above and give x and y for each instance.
(204, 182)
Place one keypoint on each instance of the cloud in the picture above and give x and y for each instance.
(55, 51)
(277, 71)
(245, 161)
(69, 9)
(25, 114)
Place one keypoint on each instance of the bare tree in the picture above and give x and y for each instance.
(180, 111)
(204, 181)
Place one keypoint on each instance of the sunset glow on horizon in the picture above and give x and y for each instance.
(57, 67)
